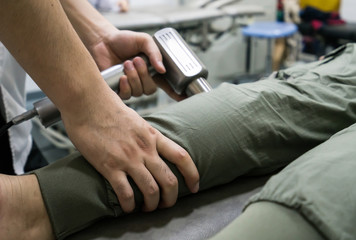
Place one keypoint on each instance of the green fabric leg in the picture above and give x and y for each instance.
(232, 131)
(320, 185)
(269, 221)
(75, 195)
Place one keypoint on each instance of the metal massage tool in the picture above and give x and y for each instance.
(185, 73)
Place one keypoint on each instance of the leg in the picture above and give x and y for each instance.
(235, 130)
(279, 50)
(269, 221)
(320, 186)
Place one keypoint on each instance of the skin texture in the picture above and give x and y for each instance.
(111, 136)
(22, 211)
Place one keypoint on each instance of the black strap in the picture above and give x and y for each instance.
(6, 165)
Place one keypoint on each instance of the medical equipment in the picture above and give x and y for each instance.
(185, 73)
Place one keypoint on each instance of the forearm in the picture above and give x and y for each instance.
(41, 38)
(90, 25)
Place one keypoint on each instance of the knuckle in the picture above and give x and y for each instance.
(152, 190)
(143, 143)
(152, 130)
(182, 155)
(130, 154)
(146, 35)
(110, 163)
(171, 181)
(114, 163)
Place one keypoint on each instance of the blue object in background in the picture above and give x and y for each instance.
(269, 30)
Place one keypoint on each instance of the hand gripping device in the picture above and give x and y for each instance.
(185, 73)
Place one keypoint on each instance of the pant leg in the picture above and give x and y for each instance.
(320, 186)
(232, 131)
(269, 221)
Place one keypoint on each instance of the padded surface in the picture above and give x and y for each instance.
(238, 10)
(194, 217)
(139, 19)
(135, 20)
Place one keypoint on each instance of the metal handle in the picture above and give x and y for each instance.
(49, 114)
(185, 73)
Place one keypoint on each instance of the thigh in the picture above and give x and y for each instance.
(320, 186)
(255, 128)
(269, 221)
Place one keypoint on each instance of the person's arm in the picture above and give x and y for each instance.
(111, 136)
(110, 46)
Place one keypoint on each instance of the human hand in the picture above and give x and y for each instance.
(109, 46)
(119, 46)
(119, 143)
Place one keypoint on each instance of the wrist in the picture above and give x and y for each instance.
(83, 106)
(90, 25)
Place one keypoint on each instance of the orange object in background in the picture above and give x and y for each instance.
(323, 5)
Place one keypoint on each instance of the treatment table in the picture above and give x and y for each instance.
(178, 17)
(194, 217)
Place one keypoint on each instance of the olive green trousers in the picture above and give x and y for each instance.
(248, 129)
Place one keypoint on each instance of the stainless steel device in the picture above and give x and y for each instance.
(185, 73)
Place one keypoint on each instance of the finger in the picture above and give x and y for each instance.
(158, 65)
(147, 185)
(151, 50)
(180, 157)
(148, 85)
(166, 180)
(164, 85)
(124, 89)
(133, 78)
(123, 191)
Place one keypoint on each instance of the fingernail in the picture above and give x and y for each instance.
(138, 62)
(129, 65)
